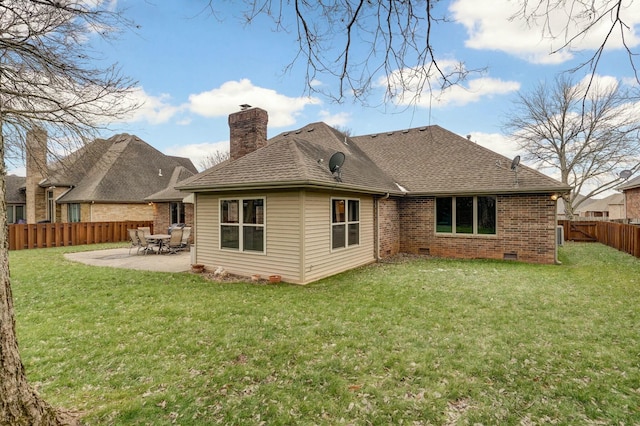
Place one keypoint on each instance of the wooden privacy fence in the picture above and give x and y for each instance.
(41, 235)
(620, 236)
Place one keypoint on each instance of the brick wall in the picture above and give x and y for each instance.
(99, 212)
(632, 201)
(526, 228)
(248, 131)
(389, 229)
(162, 216)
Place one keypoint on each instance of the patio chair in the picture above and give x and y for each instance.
(133, 238)
(146, 230)
(175, 242)
(186, 234)
(145, 245)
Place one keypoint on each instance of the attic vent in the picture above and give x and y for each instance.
(422, 129)
(310, 130)
(374, 136)
(390, 133)
(298, 132)
(405, 131)
(285, 134)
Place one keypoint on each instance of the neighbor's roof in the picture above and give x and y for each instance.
(122, 168)
(600, 204)
(15, 189)
(170, 193)
(421, 161)
(297, 159)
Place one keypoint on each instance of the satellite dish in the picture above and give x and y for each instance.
(626, 174)
(515, 162)
(336, 161)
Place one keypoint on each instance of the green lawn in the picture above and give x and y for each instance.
(419, 342)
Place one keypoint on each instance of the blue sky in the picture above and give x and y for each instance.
(194, 69)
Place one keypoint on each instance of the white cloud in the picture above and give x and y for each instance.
(340, 119)
(152, 109)
(494, 28)
(197, 152)
(222, 101)
(411, 89)
(497, 142)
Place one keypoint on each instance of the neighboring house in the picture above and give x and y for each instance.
(611, 207)
(631, 191)
(16, 198)
(276, 208)
(105, 180)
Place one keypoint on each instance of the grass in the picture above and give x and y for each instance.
(419, 342)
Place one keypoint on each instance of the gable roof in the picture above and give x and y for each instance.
(421, 161)
(122, 168)
(600, 204)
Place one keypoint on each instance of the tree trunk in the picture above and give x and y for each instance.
(19, 403)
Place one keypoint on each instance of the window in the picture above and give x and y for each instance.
(242, 225)
(466, 215)
(345, 223)
(15, 213)
(176, 212)
(73, 213)
(51, 207)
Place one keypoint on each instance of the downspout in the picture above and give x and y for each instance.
(378, 225)
(555, 235)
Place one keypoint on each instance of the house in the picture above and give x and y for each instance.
(631, 191)
(608, 208)
(105, 180)
(170, 206)
(314, 202)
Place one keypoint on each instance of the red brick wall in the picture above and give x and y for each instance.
(526, 228)
(162, 217)
(632, 201)
(248, 131)
(389, 229)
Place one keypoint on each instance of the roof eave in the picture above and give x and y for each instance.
(307, 184)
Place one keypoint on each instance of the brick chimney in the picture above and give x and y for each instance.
(248, 128)
(36, 165)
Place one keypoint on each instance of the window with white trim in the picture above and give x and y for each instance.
(345, 222)
(242, 224)
(73, 212)
(475, 215)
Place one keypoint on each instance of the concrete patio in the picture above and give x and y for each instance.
(120, 258)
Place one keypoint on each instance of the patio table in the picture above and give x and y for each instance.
(158, 238)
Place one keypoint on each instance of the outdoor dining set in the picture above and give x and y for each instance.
(143, 240)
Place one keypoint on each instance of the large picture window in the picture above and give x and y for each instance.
(345, 223)
(242, 224)
(466, 215)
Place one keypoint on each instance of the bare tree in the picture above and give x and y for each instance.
(578, 19)
(48, 81)
(213, 158)
(586, 139)
(363, 44)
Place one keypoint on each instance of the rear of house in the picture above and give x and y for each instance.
(280, 207)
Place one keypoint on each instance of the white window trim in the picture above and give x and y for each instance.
(346, 223)
(475, 217)
(240, 225)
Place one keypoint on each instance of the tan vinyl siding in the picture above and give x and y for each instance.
(320, 260)
(282, 229)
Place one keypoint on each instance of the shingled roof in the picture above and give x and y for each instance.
(421, 161)
(432, 161)
(120, 169)
(297, 159)
(15, 189)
